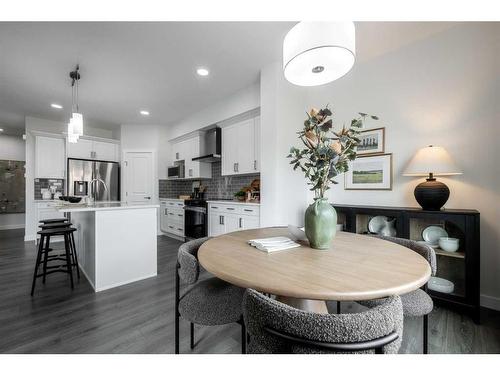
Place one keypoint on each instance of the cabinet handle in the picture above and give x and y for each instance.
(241, 222)
(190, 173)
(237, 167)
(170, 213)
(230, 208)
(171, 226)
(177, 155)
(166, 213)
(221, 219)
(255, 165)
(234, 167)
(215, 208)
(247, 210)
(180, 215)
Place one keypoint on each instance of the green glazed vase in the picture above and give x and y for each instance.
(320, 224)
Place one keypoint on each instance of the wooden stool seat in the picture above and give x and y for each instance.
(55, 225)
(49, 221)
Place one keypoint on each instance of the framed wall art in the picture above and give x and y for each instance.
(369, 173)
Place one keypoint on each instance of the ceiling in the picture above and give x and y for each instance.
(126, 67)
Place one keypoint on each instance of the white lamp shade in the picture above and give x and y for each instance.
(72, 137)
(77, 120)
(432, 159)
(315, 53)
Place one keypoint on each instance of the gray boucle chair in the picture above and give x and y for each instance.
(274, 327)
(416, 303)
(208, 302)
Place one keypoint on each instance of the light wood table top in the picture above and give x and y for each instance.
(355, 268)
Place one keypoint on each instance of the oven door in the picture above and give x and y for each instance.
(195, 222)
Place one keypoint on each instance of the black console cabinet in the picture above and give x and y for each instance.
(461, 267)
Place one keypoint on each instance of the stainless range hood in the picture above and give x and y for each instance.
(213, 146)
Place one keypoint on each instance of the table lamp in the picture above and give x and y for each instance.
(431, 161)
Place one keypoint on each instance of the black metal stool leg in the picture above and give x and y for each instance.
(68, 258)
(243, 338)
(192, 335)
(338, 307)
(45, 257)
(426, 333)
(37, 264)
(75, 256)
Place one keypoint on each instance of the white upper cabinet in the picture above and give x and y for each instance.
(92, 149)
(81, 149)
(50, 161)
(187, 149)
(241, 147)
(106, 151)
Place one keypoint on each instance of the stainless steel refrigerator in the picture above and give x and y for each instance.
(99, 180)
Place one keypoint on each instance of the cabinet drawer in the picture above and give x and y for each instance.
(250, 210)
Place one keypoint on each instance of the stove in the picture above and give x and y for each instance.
(195, 218)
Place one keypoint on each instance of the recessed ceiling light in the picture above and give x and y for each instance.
(145, 113)
(202, 72)
(56, 106)
(1, 130)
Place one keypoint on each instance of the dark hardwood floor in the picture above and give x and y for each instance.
(138, 318)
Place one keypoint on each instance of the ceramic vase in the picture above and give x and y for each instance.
(320, 224)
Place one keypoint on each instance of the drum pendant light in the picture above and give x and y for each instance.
(315, 53)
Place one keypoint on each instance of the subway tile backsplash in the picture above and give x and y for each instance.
(218, 187)
(45, 183)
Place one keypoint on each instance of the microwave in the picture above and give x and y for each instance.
(176, 171)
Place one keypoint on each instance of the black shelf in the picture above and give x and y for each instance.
(463, 224)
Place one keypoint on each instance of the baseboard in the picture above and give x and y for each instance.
(11, 226)
(490, 302)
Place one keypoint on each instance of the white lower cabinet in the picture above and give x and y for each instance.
(172, 216)
(226, 217)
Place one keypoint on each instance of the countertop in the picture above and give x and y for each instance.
(76, 207)
(233, 202)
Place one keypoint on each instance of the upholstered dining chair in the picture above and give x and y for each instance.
(208, 302)
(416, 303)
(275, 327)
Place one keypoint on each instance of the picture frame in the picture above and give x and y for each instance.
(372, 142)
(373, 172)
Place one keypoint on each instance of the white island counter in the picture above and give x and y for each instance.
(115, 242)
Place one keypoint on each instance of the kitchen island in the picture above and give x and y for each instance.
(115, 242)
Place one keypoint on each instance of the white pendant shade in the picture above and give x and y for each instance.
(72, 137)
(432, 159)
(315, 53)
(77, 119)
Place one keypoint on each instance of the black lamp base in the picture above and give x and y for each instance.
(432, 194)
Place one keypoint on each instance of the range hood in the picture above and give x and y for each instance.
(212, 146)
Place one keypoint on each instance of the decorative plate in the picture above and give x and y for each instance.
(440, 285)
(376, 224)
(432, 234)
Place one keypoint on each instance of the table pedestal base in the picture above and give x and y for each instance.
(310, 305)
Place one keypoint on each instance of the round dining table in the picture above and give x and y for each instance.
(356, 267)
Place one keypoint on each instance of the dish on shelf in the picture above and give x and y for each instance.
(449, 244)
(428, 244)
(376, 224)
(432, 234)
(439, 284)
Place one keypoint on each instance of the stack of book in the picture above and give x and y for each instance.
(273, 244)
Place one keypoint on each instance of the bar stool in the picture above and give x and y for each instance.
(45, 235)
(74, 256)
(51, 221)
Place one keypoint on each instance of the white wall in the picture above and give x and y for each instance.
(283, 191)
(442, 90)
(12, 148)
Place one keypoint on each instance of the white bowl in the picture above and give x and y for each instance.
(449, 244)
(440, 285)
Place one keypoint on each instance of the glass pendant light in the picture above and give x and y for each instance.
(75, 125)
(315, 53)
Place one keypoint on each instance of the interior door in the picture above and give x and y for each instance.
(138, 177)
